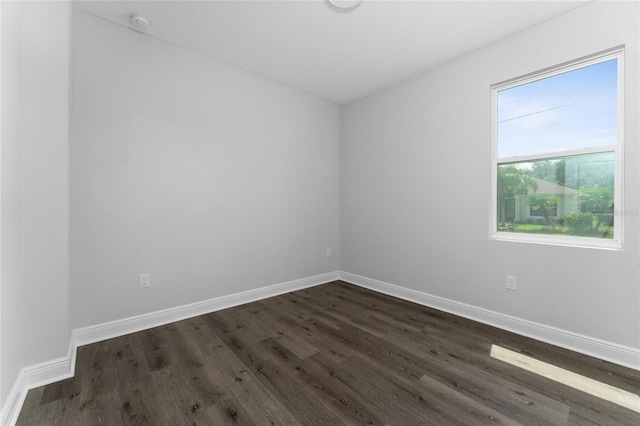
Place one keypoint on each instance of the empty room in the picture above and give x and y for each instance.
(323, 212)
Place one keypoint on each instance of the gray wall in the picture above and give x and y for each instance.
(415, 187)
(213, 180)
(34, 206)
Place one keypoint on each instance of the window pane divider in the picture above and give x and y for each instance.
(551, 155)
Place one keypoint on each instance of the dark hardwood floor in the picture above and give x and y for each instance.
(330, 355)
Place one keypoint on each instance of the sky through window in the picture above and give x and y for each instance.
(569, 111)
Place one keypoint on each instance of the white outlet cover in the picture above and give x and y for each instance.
(511, 282)
(144, 280)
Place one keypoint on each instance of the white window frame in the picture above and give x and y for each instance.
(601, 243)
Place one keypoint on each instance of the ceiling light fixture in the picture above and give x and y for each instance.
(140, 22)
(345, 4)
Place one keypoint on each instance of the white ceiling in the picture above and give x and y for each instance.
(340, 56)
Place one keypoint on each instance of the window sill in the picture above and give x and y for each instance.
(579, 242)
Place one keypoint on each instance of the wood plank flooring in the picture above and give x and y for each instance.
(334, 354)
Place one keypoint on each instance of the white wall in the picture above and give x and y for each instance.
(11, 226)
(415, 197)
(211, 179)
(35, 125)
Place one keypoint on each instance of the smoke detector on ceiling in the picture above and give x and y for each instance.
(139, 22)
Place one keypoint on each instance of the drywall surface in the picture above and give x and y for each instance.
(35, 134)
(415, 173)
(10, 281)
(211, 179)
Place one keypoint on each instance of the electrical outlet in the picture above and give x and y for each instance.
(511, 283)
(328, 252)
(144, 280)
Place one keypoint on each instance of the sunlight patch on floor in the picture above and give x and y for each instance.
(601, 390)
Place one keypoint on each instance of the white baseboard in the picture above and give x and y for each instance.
(15, 399)
(608, 351)
(108, 330)
(33, 377)
(64, 367)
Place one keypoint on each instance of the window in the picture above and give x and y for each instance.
(557, 155)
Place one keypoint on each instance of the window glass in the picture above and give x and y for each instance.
(562, 196)
(573, 110)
